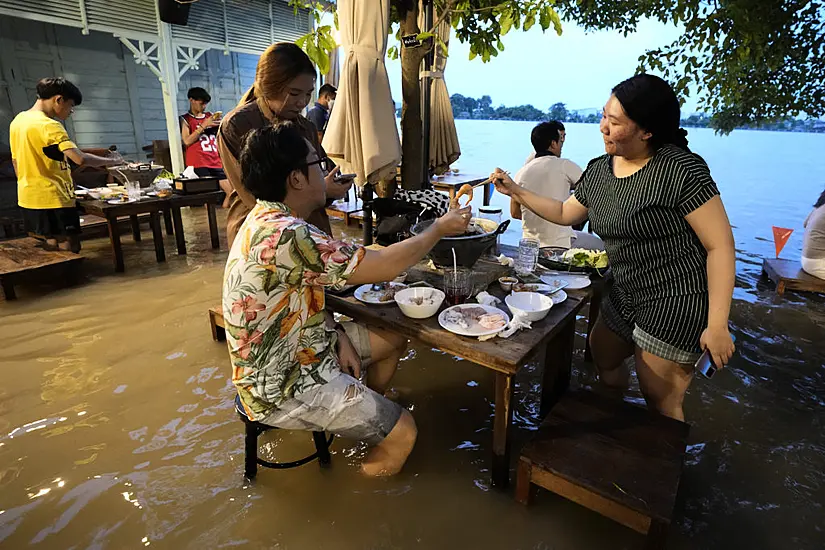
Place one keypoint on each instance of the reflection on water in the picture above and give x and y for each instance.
(117, 430)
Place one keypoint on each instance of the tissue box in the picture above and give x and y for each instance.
(197, 185)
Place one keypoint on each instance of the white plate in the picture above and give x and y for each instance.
(81, 192)
(475, 329)
(558, 297)
(364, 293)
(574, 282)
(115, 201)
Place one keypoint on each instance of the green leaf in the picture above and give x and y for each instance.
(422, 36)
(315, 320)
(506, 23)
(306, 247)
(269, 281)
(294, 277)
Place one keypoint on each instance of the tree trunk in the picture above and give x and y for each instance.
(412, 145)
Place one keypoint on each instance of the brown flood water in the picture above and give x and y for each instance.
(117, 430)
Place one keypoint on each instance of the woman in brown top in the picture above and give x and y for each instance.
(284, 82)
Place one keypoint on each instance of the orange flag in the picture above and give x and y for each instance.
(780, 238)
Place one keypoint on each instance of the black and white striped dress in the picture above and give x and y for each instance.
(658, 262)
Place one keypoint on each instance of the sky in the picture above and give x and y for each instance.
(577, 68)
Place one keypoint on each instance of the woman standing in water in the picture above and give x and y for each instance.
(668, 239)
(813, 245)
(284, 82)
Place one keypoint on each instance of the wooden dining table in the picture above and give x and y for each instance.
(169, 208)
(505, 357)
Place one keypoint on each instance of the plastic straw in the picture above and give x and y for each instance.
(455, 266)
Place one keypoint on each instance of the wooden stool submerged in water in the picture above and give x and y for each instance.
(614, 458)
(788, 275)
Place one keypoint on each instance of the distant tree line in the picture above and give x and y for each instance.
(482, 109)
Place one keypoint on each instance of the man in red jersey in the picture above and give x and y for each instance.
(199, 130)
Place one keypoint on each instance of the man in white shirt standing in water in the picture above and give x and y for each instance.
(549, 175)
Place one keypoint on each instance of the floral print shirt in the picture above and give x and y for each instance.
(273, 306)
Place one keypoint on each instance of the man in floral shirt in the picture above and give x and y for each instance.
(293, 367)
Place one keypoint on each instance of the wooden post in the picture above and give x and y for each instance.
(178, 223)
(558, 362)
(501, 430)
(169, 87)
(213, 225)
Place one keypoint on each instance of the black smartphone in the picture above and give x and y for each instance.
(341, 177)
(704, 365)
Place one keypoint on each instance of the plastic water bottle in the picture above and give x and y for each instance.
(528, 255)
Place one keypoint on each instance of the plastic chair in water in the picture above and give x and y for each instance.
(251, 458)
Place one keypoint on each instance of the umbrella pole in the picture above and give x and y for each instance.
(426, 108)
(366, 198)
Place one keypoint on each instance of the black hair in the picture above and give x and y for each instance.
(651, 103)
(820, 201)
(199, 94)
(47, 88)
(270, 154)
(546, 133)
(327, 89)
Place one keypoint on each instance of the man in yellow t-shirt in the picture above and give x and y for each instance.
(40, 148)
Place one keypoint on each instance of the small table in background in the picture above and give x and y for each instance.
(452, 183)
(154, 207)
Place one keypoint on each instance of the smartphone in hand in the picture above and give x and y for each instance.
(341, 177)
(704, 365)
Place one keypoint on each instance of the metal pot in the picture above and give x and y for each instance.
(468, 248)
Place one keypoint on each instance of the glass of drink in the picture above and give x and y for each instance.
(528, 255)
(133, 190)
(458, 285)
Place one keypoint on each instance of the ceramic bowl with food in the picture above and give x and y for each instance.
(506, 283)
(534, 305)
(419, 302)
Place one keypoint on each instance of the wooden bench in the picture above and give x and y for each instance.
(23, 258)
(611, 457)
(788, 275)
(216, 324)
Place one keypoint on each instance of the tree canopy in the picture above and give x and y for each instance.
(751, 61)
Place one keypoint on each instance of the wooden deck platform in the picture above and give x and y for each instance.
(23, 258)
(788, 275)
(614, 458)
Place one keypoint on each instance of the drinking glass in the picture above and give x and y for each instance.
(133, 190)
(528, 255)
(458, 285)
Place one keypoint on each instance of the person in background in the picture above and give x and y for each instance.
(292, 365)
(40, 148)
(284, 82)
(199, 130)
(319, 114)
(813, 245)
(668, 240)
(549, 175)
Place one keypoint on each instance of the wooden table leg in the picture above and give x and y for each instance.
(501, 430)
(8, 289)
(592, 316)
(167, 220)
(135, 227)
(157, 236)
(180, 238)
(558, 362)
(114, 239)
(213, 225)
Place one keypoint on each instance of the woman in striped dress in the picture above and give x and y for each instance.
(668, 240)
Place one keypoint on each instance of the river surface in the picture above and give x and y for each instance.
(117, 428)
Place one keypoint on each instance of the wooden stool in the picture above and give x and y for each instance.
(216, 324)
(612, 457)
(788, 275)
(251, 458)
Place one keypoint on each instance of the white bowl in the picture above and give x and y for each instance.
(414, 311)
(400, 278)
(536, 306)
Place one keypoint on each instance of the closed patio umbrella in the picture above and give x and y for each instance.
(361, 136)
(444, 148)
